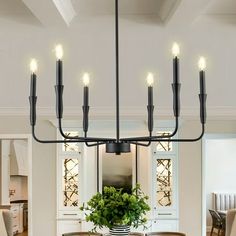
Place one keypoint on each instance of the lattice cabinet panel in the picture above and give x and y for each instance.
(164, 180)
(70, 180)
(71, 147)
(164, 146)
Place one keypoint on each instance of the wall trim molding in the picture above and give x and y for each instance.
(213, 113)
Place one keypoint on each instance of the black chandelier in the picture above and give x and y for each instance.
(117, 145)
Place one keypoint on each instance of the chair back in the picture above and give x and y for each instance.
(82, 234)
(165, 234)
(224, 201)
(216, 219)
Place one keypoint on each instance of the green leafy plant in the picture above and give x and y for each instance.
(114, 207)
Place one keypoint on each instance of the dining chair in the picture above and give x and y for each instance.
(217, 222)
(223, 221)
(165, 234)
(82, 234)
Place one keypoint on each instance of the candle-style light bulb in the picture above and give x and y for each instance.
(33, 66)
(202, 63)
(59, 51)
(150, 79)
(86, 79)
(175, 50)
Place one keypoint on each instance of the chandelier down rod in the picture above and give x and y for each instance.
(117, 145)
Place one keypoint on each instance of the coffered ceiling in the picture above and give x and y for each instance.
(219, 7)
(31, 28)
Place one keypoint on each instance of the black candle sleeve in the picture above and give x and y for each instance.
(59, 100)
(202, 97)
(176, 87)
(176, 70)
(33, 99)
(33, 84)
(150, 109)
(86, 96)
(59, 71)
(202, 82)
(86, 109)
(59, 89)
(150, 96)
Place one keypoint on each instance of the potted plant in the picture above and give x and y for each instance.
(117, 210)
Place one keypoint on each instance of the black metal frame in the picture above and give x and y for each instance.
(118, 145)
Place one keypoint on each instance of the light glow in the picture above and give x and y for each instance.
(202, 63)
(150, 79)
(59, 51)
(33, 66)
(86, 79)
(175, 50)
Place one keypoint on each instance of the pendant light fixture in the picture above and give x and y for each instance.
(118, 145)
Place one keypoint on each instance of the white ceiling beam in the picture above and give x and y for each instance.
(52, 12)
(186, 12)
(167, 9)
(66, 10)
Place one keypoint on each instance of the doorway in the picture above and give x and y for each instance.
(16, 180)
(218, 170)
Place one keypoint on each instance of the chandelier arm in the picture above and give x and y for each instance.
(52, 141)
(173, 140)
(88, 139)
(147, 138)
(67, 136)
(93, 144)
(142, 144)
(189, 140)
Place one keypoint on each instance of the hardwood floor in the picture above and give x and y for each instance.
(214, 234)
(23, 234)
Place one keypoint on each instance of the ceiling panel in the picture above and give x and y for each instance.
(16, 11)
(222, 7)
(126, 7)
(159, 8)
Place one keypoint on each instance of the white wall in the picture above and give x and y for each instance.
(220, 169)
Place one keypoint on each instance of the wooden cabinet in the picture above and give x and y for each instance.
(17, 215)
(65, 226)
(164, 163)
(69, 186)
(165, 225)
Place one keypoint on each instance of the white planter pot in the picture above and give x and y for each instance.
(120, 230)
